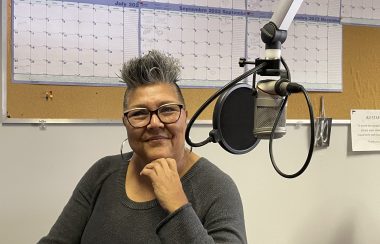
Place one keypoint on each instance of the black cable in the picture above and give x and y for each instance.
(212, 138)
(312, 133)
(312, 137)
(210, 99)
(286, 68)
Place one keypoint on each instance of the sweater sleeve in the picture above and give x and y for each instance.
(222, 221)
(71, 223)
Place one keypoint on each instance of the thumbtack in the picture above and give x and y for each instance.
(42, 124)
(49, 95)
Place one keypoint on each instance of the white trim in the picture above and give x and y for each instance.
(3, 67)
(117, 121)
(40, 121)
(288, 121)
(361, 21)
(60, 121)
(306, 121)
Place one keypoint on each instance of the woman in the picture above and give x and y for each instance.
(160, 192)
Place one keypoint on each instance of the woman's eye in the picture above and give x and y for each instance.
(168, 109)
(138, 113)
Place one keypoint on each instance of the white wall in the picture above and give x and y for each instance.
(335, 201)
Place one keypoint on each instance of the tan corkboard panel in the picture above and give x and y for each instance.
(361, 84)
(361, 77)
(78, 102)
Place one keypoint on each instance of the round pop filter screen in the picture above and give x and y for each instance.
(233, 118)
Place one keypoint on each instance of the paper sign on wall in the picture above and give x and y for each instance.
(365, 130)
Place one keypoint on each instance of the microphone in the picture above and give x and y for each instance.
(269, 98)
(242, 116)
(271, 93)
(281, 87)
(268, 104)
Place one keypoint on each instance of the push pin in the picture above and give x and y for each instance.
(49, 95)
(42, 124)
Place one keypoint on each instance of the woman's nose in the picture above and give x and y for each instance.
(155, 121)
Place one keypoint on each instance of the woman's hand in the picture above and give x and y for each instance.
(166, 183)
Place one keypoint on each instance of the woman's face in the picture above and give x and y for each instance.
(156, 140)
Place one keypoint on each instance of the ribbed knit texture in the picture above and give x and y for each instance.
(99, 211)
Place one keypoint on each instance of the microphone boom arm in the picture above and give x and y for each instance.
(285, 12)
(273, 34)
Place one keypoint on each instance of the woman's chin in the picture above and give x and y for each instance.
(158, 154)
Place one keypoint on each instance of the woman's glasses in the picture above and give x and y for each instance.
(167, 113)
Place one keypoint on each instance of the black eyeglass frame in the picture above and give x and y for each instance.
(181, 106)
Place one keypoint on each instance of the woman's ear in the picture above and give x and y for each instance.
(186, 115)
(124, 121)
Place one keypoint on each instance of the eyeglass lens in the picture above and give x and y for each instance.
(167, 114)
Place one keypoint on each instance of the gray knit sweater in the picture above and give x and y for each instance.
(99, 211)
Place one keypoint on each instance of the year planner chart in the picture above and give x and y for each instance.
(85, 42)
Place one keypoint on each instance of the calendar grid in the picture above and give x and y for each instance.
(86, 42)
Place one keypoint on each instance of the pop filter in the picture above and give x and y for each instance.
(233, 119)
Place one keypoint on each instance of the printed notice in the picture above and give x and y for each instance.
(365, 130)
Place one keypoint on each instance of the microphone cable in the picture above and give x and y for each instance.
(212, 135)
(312, 132)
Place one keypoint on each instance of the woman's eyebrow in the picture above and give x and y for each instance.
(142, 105)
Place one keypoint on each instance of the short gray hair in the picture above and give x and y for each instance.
(153, 67)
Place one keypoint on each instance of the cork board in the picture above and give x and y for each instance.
(361, 71)
(361, 82)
